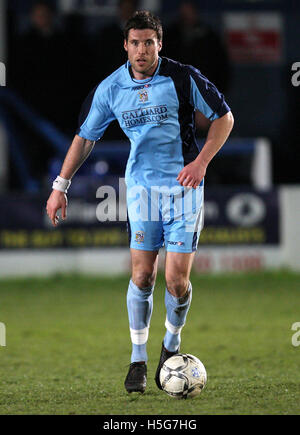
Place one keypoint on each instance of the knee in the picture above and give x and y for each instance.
(144, 279)
(177, 285)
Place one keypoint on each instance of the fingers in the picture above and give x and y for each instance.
(187, 181)
(184, 179)
(52, 213)
(52, 216)
(55, 202)
(55, 221)
(64, 207)
(180, 178)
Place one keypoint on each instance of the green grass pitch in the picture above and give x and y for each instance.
(68, 348)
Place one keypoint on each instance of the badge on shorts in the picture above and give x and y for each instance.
(139, 236)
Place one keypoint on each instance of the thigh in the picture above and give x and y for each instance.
(144, 267)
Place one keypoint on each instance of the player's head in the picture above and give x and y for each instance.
(143, 41)
(144, 20)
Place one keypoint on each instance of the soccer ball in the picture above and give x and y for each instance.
(183, 376)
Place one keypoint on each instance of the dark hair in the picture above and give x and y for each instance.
(144, 20)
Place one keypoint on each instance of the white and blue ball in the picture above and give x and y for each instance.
(183, 376)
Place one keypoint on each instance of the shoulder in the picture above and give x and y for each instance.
(172, 67)
(104, 92)
(177, 69)
(101, 94)
(184, 76)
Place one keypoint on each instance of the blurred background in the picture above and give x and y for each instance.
(53, 53)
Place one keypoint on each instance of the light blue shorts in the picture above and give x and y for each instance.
(163, 216)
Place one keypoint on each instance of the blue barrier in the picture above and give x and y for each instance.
(18, 158)
(46, 129)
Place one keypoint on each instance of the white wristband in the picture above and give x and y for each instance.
(61, 184)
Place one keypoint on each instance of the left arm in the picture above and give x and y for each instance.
(192, 174)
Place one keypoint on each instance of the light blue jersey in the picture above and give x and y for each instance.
(157, 115)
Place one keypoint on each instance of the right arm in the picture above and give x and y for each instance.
(76, 155)
(95, 117)
(78, 152)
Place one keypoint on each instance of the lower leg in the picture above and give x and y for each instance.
(139, 306)
(140, 301)
(177, 309)
(178, 296)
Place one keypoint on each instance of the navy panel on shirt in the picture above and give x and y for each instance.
(182, 75)
(181, 80)
(210, 94)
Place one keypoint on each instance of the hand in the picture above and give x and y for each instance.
(192, 174)
(56, 201)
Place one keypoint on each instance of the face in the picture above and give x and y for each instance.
(143, 48)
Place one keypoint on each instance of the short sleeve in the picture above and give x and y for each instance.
(95, 115)
(205, 97)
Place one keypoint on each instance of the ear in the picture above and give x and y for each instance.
(125, 45)
(159, 46)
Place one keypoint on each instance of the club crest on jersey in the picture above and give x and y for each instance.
(139, 236)
(143, 96)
